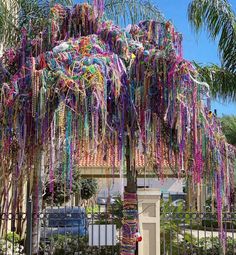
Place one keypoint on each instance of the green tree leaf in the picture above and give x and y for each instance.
(218, 18)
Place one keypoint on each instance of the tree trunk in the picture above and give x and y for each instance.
(131, 173)
(20, 221)
(129, 228)
(37, 200)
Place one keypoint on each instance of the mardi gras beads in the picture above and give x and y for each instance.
(130, 220)
(105, 85)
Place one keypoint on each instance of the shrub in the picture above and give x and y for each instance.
(89, 188)
(92, 210)
(13, 237)
(70, 245)
(11, 243)
(61, 194)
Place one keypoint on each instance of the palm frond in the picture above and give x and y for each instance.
(8, 20)
(218, 17)
(124, 12)
(16, 14)
(222, 82)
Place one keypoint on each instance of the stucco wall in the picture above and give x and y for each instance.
(168, 185)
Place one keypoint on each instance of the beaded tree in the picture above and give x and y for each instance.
(85, 84)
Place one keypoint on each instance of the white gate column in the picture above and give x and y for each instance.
(149, 221)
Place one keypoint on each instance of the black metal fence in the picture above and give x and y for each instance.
(191, 233)
(97, 230)
(62, 230)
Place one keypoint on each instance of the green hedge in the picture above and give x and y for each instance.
(70, 245)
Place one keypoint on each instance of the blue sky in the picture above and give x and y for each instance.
(196, 47)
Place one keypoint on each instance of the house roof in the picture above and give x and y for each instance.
(111, 158)
(106, 159)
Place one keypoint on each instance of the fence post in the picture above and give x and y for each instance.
(29, 228)
(149, 221)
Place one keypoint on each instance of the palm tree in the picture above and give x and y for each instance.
(25, 13)
(218, 18)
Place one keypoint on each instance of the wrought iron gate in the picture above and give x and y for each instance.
(62, 230)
